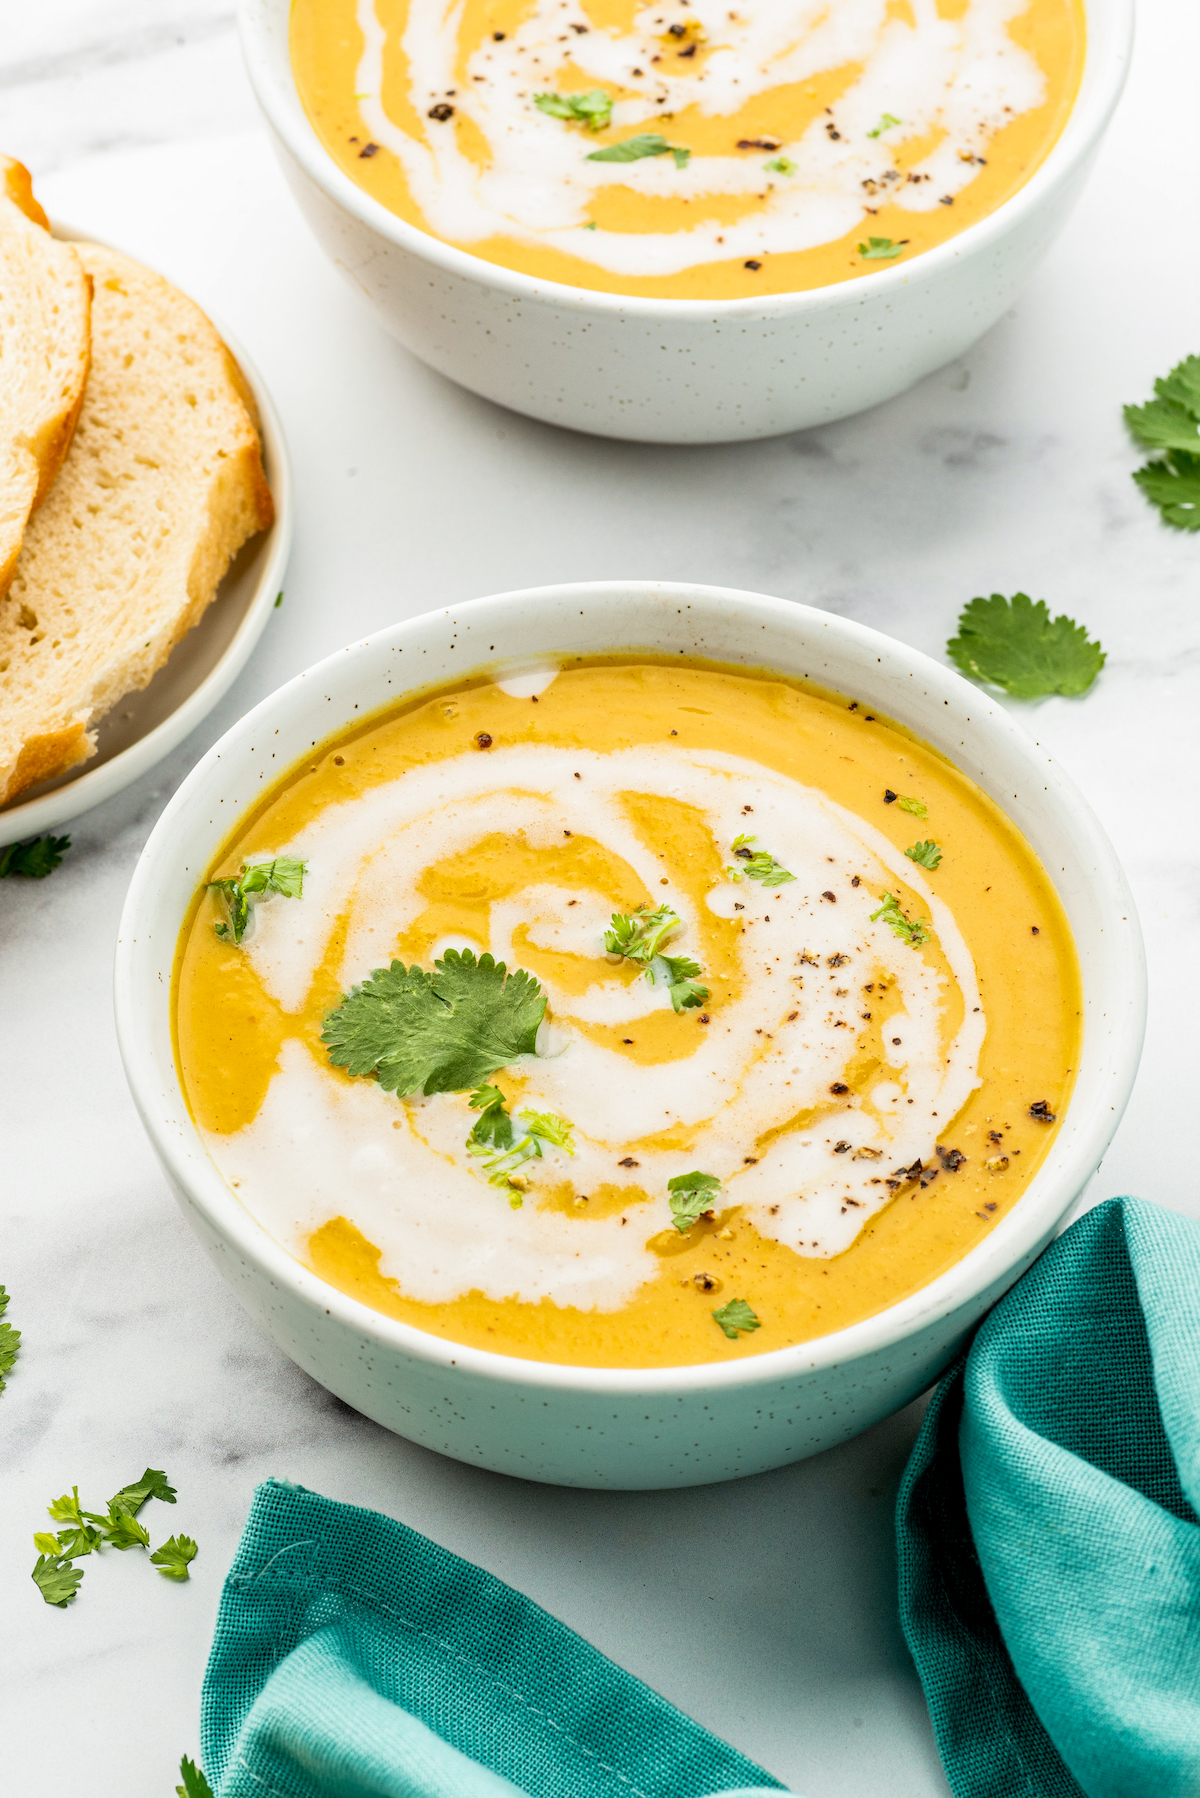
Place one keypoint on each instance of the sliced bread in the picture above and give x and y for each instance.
(45, 301)
(163, 484)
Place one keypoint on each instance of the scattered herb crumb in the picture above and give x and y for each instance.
(881, 249)
(1017, 646)
(284, 875)
(639, 937)
(735, 1316)
(781, 165)
(886, 123)
(87, 1532)
(593, 109)
(926, 855)
(757, 864)
(912, 931)
(691, 1195)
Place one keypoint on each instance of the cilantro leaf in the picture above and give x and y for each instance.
(1016, 645)
(633, 149)
(56, 1579)
(881, 249)
(545, 1126)
(886, 123)
(10, 1341)
(66, 1509)
(123, 1529)
(593, 109)
(759, 864)
(912, 931)
(683, 989)
(917, 807)
(75, 1542)
(34, 860)
(1173, 485)
(493, 1129)
(540, 1127)
(781, 165)
(735, 1316)
(194, 1783)
(1163, 424)
(153, 1484)
(440, 1032)
(284, 875)
(926, 855)
(691, 1195)
(173, 1557)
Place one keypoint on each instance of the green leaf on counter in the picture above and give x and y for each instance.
(56, 1579)
(1171, 422)
(10, 1341)
(173, 1557)
(194, 1783)
(1016, 645)
(35, 859)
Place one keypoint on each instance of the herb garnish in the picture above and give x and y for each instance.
(735, 1316)
(886, 123)
(1016, 645)
(633, 149)
(87, 1532)
(917, 807)
(926, 855)
(691, 1196)
(881, 249)
(758, 864)
(34, 860)
(912, 931)
(640, 937)
(284, 875)
(781, 165)
(593, 109)
(1171, 422)
(194, 1783)
(10, 1341)
(443, 1032)
(491, 1137)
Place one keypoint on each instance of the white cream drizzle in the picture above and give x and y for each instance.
(318, 1148)
(963, 79)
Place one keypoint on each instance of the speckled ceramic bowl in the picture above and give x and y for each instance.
(682, 371)
(601, 1426)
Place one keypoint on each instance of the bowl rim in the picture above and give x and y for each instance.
(1101, 83)
(92, 786)
(990, 1265)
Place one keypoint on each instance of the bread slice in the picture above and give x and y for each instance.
(45, 303)
(163, 484)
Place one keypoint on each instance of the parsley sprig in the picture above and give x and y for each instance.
(912, 931)
(593, 109)
(926, 855)
(737, 1315)
(194, 1783)
(444, 1032)
(633, 149)
(35, 859)
(1171, 422)
(758, 864)
(87, 1532)
(640, 937)
(10, 1341)
(284, 875)
(691, 1195)
(1016, 645)
(881, 249)
(493, 1138)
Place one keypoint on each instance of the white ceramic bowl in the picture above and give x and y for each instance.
(662, 1426)
(144, 727)
(682, 371)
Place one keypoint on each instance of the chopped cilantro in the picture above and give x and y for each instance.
(691, 1196)
(926, 855)
(781, 165)
(640, 938)
(633, 149)
(173, 1557)
(1016, 645)
(492, 1138)
(10, 1341)
(436, 1033)
(153, 1484)
(886, 123)
(284, 875)
(593, 109)
(735, 1316)
(56, 1579)
(917, 807)
(759, 865)
(34, 860)
(1171, 422)
(912, 931)
(881, 249)
(492, 1130)
(194, 1783)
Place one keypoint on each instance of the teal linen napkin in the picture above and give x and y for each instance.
(1047, 1525)
(355, 1659)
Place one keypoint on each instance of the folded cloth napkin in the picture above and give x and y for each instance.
(355, 1659)
(1048, 1533)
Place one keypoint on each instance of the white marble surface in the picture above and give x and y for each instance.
(765, 1609)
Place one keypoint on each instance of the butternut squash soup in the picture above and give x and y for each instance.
(633, 1013)
(680, 148)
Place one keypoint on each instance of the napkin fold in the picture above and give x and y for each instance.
(355, 1659)
(1049, 1543)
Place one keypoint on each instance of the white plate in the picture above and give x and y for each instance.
(144, 727)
